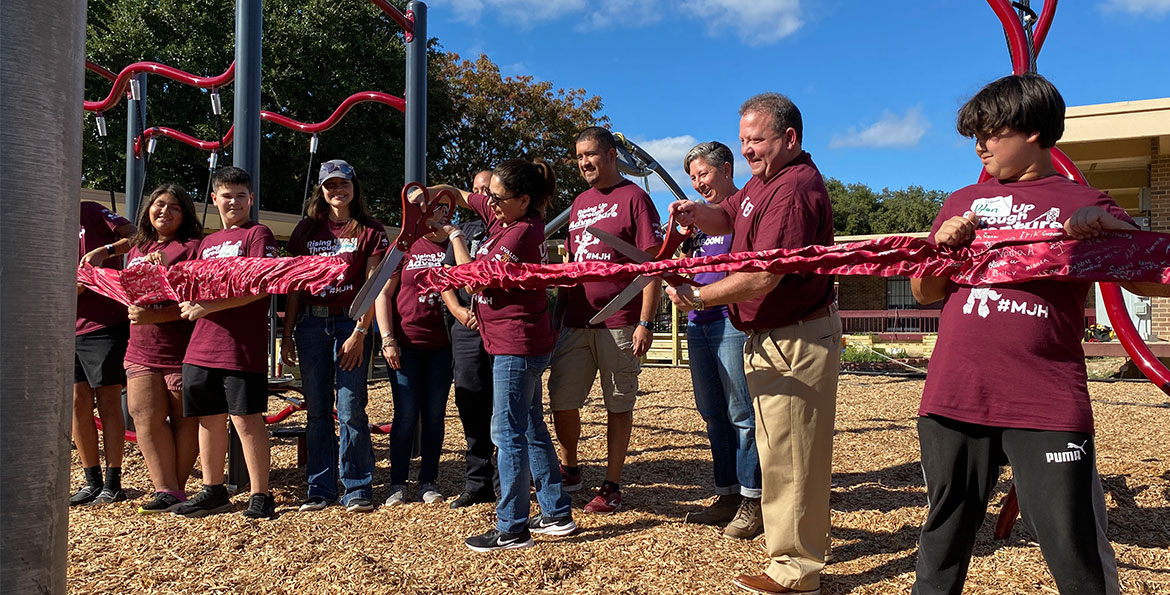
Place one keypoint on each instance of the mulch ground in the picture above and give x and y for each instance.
(878, 503)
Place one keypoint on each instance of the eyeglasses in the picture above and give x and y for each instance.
(329, 167)
(495, 200)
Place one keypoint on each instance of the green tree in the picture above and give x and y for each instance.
(909, 209)
(501, 118)
(853, 207)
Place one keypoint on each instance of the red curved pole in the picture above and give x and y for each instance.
(406, 21)
(1040, 31)
(312, 128)
(1111, 296)
(92, 67)
(1017, 42)
(123, 80)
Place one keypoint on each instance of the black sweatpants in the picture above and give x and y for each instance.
(473, 398)
(1057, 486)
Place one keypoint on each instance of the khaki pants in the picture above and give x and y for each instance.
(792, 377)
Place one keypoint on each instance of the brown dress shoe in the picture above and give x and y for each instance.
(720, 511)
(762, 583)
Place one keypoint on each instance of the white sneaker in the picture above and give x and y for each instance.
(397, 496)
(430, 493)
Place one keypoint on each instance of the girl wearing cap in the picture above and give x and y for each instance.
(331, 348)
(417, 348)
(517, 332)
(168, 232)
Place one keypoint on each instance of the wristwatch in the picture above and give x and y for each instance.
(647, 324)
(697, 300)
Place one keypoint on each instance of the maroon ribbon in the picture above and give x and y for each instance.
(995, 257)
(218, 278)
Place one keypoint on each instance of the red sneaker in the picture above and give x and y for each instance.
(570, 482)
(607, 501)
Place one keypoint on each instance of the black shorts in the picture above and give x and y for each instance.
(97, 356)
(213, 391)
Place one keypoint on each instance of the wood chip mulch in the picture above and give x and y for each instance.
(878, 503)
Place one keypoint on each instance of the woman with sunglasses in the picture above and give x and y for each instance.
(417, 349)
(332, 349)
(168, 232)
(517, 332)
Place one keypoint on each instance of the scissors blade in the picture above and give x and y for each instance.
(623, 247)
(629, 293)
(373, 286)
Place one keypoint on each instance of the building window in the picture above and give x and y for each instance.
(898, 294)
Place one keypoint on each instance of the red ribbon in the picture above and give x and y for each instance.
(995, 257)
(213, 279)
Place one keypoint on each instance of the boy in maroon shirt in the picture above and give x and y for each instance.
(101, 334)
(224, 371)
(1007, 381)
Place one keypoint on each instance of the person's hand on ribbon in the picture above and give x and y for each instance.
(957, 231)
(1089, 222)
(192, 311)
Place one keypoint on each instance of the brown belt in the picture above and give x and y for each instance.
(818, 313)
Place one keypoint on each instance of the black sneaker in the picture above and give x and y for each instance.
(468, 498)
(498, 540)
(108, 496)
(85, 495)
(162, 502)
(314, 503)
(548, 525)
(261, 506)
(209, 500)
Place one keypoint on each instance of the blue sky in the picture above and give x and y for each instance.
(878, 83)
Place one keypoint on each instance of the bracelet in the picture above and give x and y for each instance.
(358, 329)
(110, 250)
(458, 233)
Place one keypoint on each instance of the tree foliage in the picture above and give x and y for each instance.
(315, 54)
(858, 210)
(502, 118)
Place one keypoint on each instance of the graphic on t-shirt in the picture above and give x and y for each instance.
(747, 207)
(224, 250)
(584, 218)
(585, 241)
(981, 295)
(1001, 212)
(424, 261)
(332, 246)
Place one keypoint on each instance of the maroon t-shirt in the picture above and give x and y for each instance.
(418, 315)
(1010, 355)
(236, 338)
(513, 321)
(95, 311)
(327, 240)
(163, 344)
(627, 212)
(791, 210)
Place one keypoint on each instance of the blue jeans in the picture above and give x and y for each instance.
(721, 395)
(420, 387)
(523, 442)
(319, 341)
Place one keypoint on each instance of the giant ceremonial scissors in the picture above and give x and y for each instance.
(675, 236)
(419, 212)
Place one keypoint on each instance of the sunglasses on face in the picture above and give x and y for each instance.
(495, 200)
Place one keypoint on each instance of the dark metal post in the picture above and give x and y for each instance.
(246, 154)
(249, 21)
(135, 164)
(41, 81)
(416, 95)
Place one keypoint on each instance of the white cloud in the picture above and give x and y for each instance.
(890, 131)
(519, 13)
(607, 13)
(669, 152)
(755, 22)
(1155, 8)
(466, 11)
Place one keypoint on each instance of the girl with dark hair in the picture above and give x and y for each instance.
(517, 332)
(168, 232)
(331, 348)
(417, 348)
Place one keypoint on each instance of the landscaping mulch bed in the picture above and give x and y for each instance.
(878, 502)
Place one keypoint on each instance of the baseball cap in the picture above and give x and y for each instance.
(335, 168)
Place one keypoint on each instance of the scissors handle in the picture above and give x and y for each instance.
(675, 235)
